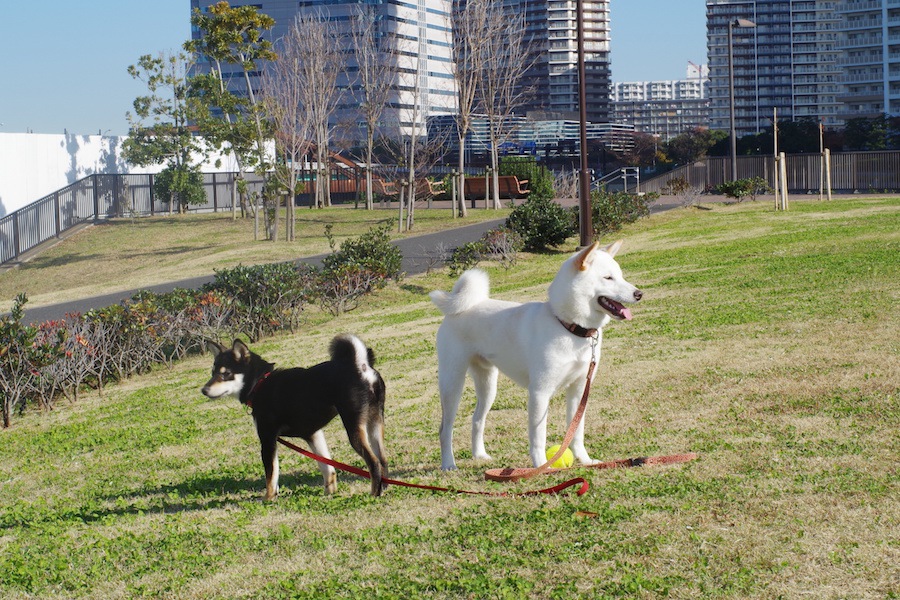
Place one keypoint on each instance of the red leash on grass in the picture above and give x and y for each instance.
(579, 481)
(514, 474)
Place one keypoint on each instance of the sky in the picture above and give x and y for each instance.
(66, 61)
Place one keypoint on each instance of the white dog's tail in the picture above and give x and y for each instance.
(471, 288)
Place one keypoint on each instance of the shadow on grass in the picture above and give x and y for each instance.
(199, 493)
(44, 262)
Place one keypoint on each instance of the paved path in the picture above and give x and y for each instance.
(418, 253)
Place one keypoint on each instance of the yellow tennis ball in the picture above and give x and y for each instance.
(566, 460)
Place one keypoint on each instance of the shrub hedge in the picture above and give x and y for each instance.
(42, 363)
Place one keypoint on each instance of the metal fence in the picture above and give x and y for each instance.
(100, 197)
(850, 172)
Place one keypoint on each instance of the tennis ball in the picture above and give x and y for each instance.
(566, 460)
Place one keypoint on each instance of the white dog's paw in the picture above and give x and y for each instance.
(482, 456)
(448, 466)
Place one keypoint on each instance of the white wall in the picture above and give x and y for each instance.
(34, 165)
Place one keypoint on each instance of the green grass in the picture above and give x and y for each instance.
(766, 342)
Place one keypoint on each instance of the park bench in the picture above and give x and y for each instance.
(510, 187)
(384, 189)
(427, 189)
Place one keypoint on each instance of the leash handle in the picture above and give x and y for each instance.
(556, 489)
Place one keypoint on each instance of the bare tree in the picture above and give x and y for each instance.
(500, 90)
(318, 41)
(470, 24)
(376, 59)
(407, 141)
(283, 89)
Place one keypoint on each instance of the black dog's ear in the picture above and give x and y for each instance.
(215, 347)
(241, 351)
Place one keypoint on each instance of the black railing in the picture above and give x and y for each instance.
(99, 197)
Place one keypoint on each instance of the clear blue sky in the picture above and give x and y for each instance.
(65, 61)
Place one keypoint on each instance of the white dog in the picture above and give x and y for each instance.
(542, 346)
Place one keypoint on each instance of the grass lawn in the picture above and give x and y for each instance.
(125, 254)
(766, 342)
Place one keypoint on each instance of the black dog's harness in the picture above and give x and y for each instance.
(249, 402)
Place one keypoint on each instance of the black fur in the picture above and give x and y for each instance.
(299, 402)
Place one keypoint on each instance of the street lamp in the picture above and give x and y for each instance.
(585, 230)
(731, 25)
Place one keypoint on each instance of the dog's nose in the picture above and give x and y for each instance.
(638, 294)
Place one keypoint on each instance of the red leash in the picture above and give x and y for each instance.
(516, 473)
(363, 473)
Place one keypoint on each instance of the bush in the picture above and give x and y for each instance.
(611, 210)
(542, 223)
(180, 185)
(742, 188)
(687, 194)
(22, 355)
(265, 298)
(361, 266)
(540, 179)
(500, 244)
(372, 250)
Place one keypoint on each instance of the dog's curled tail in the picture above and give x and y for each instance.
(348, 348)
(471, 288)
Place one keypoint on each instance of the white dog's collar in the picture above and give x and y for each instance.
(578, 330)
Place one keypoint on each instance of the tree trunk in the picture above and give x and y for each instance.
(461, 192)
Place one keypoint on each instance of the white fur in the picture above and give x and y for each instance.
(225, 388)
(362, 360)
(527, 343)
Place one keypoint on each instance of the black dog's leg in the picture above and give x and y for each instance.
(359, 439)
(375, 428)
(318, 445)
(269, 452)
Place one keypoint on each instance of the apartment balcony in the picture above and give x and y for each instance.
(864, 6)
(863, 78)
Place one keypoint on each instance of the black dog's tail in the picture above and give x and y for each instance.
(348, 348)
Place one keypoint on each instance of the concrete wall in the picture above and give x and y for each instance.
(33, 165)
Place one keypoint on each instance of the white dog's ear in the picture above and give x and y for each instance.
(584, 258)
(613, 248)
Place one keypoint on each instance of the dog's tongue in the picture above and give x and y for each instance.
(617, 309)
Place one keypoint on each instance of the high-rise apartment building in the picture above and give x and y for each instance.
(423, 25)
(788, 61)
(870, 44)
(663, 108)
(551, 27)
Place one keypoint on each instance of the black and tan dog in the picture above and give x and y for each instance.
(299, 402)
